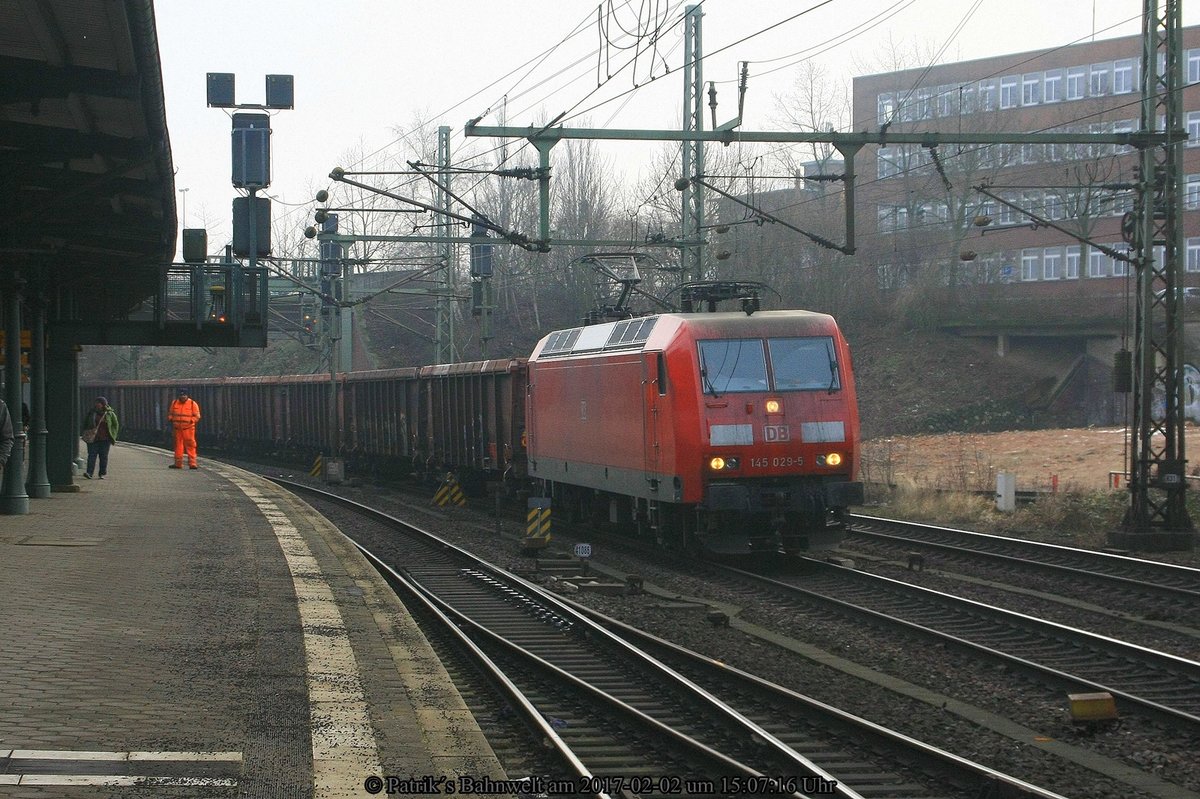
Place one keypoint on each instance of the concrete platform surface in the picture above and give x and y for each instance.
(204, 633)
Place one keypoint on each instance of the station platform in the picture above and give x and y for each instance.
(179, 633)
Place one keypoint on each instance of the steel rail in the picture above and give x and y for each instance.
(968, 551)
(1184, 578)
(1052, 631)
(752, 732)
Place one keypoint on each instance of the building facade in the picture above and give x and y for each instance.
(919, 209)
(932, 237)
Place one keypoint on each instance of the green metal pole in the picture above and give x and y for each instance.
(39, 482)
(13, 499)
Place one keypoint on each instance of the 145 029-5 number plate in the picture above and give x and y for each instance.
(787, 460)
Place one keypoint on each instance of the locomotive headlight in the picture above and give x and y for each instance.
(719, 464)
(716, 464)
(833, 459)
(773, 406)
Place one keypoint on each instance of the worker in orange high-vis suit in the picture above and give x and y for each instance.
(183, 415)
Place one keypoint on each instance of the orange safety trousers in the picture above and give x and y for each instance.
(185, 441)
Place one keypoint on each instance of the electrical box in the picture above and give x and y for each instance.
(334, 471)
(195, 245)
(1006, 492)
(279, 91)
(241, 225)
(251, 151)
(477, 298)
(481, 253)
(220, 90)
(1092, 707)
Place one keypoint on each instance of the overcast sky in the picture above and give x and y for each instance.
(365, 67)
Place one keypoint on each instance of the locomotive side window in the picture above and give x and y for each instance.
(730, 365)
(804, 363)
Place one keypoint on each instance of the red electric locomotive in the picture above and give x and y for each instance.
(732, 432)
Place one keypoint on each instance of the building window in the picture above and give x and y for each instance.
(1097, 264)
(1076, 83)
(1052, 86)
(1031, 88)
(1122, 126)
(1123, 76)
(1191, 192)
(887, 219)
(1052, 263)
(1193, 66)
(1193, 255)
(1055, 207)
(1072, 272)
(1029, 264)
(886, 105)
(887, 162)
(1032, 153)
(925, 103)
(1122, 202)
(966, 99)
(1008, 92)
(988, 208)
(1032, 201)
(1098, 87)
(987, 94)
(1193, 128)
(1120, 268)
(1008, 214)
(946, 100)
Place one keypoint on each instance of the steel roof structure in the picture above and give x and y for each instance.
(85, 159)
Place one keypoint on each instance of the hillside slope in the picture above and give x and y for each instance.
(920, 381)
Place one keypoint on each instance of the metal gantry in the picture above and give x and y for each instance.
(692, 193)
(444, 330)
(1157, 516)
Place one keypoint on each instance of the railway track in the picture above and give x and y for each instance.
(625, 722)
(1179, 585)
(1159, 685)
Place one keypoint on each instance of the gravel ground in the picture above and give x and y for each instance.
(1139, 743)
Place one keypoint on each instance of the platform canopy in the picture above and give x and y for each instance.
(85, 160)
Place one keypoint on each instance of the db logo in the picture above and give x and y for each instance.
(776, 432)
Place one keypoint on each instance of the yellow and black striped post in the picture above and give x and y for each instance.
(537, 524)
(449, 491)
(315, 471)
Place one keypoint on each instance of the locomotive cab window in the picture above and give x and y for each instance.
(800, 364)
(732, 365)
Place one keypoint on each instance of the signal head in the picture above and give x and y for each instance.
(310, 232)
(322, 196)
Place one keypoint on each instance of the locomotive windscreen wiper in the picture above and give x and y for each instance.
(833, 366)
(708, 385)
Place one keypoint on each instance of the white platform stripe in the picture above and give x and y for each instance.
(69, 754)
(343, 738)
(116, 781)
